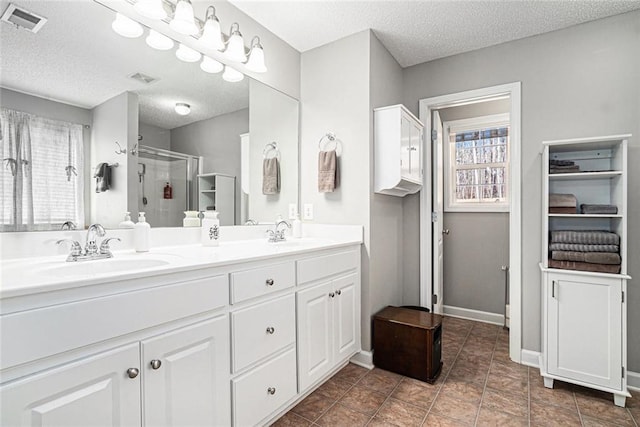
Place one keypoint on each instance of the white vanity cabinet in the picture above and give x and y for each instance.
(398, 139)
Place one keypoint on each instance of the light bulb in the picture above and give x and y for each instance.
(159, 41)
(256, 58)
(231, 75)
(126, 27)
(211, 33)
(210, 65)
(183, 21)
(182, 108)
(151, 9)
(186, 54)
(235, 45)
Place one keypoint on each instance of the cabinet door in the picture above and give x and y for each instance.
(415, 153)
(585, 329)
(405, 147)
(345, 317)
(190, 386)
(315, 336)
(95, 391)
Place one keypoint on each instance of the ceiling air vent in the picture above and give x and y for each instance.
(22, 18)
(143, 78)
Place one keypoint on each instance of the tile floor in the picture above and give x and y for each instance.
(479, 386)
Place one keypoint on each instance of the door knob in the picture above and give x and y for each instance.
(155, 364)
(445, 231)
(133, 372)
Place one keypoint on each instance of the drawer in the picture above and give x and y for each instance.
(261, 330)
(261, 281)
(310, 269)
(34, 334)
(264, 390)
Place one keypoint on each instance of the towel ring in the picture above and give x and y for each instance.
(271, 147)
(327, 139)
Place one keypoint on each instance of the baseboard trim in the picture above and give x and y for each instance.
(363, 358)
(469, 314)
(530, 358)
(633, 381)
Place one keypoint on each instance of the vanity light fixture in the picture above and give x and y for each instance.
(231, 75)
(255, 62)
(210, 65)
(153, 9)
(186, 54)
(183, 20)
(159, 41)
(126, 27)
(235, 45)
(211, 33)
(182, 108)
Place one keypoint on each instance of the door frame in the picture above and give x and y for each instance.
(427, 105)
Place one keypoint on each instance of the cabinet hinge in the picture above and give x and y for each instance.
(623, 372)
(434, 299)
(434, 134)
(623, 297)
(434, 216)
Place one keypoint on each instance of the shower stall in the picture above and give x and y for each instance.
(166, 185)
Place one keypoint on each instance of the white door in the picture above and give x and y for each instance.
(187, 376)
(585, 329)
(438, 209)
(95, 391)
(344, 308)
(315, 333)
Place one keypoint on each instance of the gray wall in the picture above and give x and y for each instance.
(154, 136)
(581, 81)
(218, 141)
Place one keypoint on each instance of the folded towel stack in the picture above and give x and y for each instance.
(563, 203)
(563, 166)
(598, 209)
(596, 251)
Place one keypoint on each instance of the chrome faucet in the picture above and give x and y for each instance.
(68, 225)
(277, 235)
(91, 250)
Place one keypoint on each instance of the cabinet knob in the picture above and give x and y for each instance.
(339, 292)
(331, 294)
(271, 390)
(132, 372)
(271, 330)
(269, 282)
(155, 364)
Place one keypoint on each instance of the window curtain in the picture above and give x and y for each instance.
(42, 172)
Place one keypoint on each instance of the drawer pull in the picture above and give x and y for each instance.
(339, 292)
(155, 364)
(271, 330)
(331, 294)
(271, 390)
(132, 372)
(269, 282)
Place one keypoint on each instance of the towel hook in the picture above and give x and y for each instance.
(327, 139)
(120, 150)
(272, 146)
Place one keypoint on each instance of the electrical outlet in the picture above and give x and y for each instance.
(308, 211)
(293, 210)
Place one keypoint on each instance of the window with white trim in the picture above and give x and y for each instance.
(477, 164)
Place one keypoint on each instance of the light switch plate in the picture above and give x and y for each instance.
(308, 211)
(293, 210)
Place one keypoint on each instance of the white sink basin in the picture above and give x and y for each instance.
(101, 266)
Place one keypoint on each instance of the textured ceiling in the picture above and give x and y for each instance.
(420, 31)
(76, 58)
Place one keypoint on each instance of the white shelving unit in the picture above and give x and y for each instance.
(584, 318)
(218, 191)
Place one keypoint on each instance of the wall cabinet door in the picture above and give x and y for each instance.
(187, 376)
(345, 314)
(585, 329)
(415, 153)
(95, 391)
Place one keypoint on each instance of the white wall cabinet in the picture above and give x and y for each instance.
(584, 313)
(398, 141)
(217, 192)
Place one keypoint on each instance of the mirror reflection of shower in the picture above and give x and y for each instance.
(167, 182)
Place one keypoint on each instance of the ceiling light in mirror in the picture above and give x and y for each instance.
(126, 27)
(186, 54)
(210, 65)
(159, 41)
(231, 75)
(183, 20)
(235, 45)
(182, 108)
(255, 62)
(153, 9)
(211, 33)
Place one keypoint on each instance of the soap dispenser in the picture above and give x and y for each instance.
(141, 234)
(127, 223)
(210, 231)
(296, 226)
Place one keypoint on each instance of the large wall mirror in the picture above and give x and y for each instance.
(77, 97)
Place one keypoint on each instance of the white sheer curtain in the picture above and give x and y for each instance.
(42, 174)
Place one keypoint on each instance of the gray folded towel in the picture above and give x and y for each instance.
(584, 266)
(271, 176)
(327, 171)
(103, 177)
(562, 200)
(578, 247)
(585, 237)
(589, 257)
(598, 209)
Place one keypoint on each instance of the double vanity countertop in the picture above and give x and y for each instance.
(31, 275)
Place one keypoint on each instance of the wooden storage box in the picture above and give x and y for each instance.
(408, 342)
